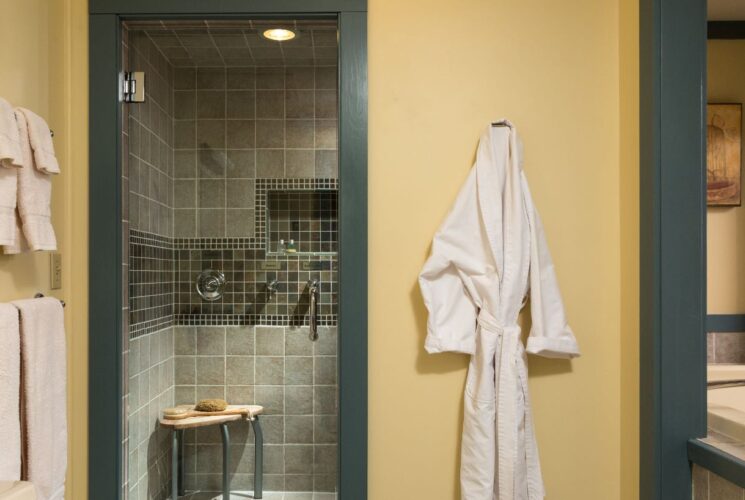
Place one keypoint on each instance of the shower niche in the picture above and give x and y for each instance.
(302, 222)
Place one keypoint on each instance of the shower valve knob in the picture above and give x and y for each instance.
(211, 285)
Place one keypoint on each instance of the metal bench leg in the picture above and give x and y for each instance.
(225, 462)
(181, 464)
(258, 458)
(174, 464)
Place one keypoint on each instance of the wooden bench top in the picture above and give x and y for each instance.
(205, 420)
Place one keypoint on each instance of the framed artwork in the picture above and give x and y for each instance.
(723, 154)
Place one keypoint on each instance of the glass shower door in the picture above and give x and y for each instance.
(230, 168)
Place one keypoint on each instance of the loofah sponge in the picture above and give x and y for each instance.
(211, 405)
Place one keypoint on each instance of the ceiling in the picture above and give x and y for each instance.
(726, 10)
(240, 43)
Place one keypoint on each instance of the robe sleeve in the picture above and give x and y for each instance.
(550, 335)
(451, 324)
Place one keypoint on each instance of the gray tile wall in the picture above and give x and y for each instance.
(234, 125)
(280, 369)
(148, 170)
(192, 154)
(151, 389)
(147, 186)
(150, 141)
(725, 347)
(709, 486)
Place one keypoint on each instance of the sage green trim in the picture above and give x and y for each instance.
(733, 323)
(673, 243)
(353, 255)
(165, 8)
(105, 264)
(717, 461)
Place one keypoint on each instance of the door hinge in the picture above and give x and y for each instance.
(133, 86)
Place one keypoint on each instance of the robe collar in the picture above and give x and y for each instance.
(499, 162)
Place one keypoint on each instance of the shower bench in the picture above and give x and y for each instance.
(178, 427)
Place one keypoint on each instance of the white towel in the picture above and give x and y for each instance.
(8, 190)
(40, 137)
(10, 159)
(43, 395)
(10, 384)
(10, 142)
(34, 192)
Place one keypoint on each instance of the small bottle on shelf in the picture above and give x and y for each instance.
(291, 248)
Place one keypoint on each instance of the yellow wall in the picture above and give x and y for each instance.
(726, 226)
(43, 58)
(439, 72)
(629, 189)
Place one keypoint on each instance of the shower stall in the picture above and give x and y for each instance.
(229, 203)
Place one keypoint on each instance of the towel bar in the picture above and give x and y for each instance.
(39, 295)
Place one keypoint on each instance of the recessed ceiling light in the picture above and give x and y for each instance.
(279, 34)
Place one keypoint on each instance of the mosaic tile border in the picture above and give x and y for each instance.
(247, 273)
(151, 239)
(215, 244)
(251, 320)
(150, 326)
(142, 238)
(144, 286)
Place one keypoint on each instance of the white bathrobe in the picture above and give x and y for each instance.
(487, 255)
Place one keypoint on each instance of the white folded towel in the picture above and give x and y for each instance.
(44, 395)
(10, 141)
(40, 137)
(8, 200)
(10, 159)
(10, 384)
(34, 189)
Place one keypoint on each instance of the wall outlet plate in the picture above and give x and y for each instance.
(270, 265)
(311, 265)
(55, 266)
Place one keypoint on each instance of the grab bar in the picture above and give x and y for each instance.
(313, 291)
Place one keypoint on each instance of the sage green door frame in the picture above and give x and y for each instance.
(672, 243)
(105, 281)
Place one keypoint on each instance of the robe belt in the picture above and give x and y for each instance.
(511, 375)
